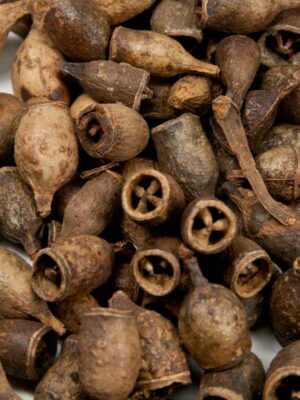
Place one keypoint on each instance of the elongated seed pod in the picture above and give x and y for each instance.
(27, 348)
(6, 391)
(64, 195)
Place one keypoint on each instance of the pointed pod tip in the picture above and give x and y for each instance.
(71, 69)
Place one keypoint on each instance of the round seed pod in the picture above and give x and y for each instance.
(27, 348)
(6, 391)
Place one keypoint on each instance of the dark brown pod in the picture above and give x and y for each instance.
(156, 265)
(64, 195)
(281, 135)
(10, 109)
(9, 14)
(283, 375)
(17, 298)
(109, 353)
(27, 348)
(110, 82)
(79, 29)
(157, 107)
(243, 382)
(19, 220)
(92, 208)
(254, 308)
(208, 225)
(159, 54)
(76, 265)
(223, 341)
(184, 152)
(62, 380)
(133, 232)
(152, 198)
(6, 391)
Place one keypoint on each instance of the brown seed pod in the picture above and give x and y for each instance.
(184, 152)
(63, 197)
(9, 14)
(6, 391)
(79, 29)
(283, 375)
(133, 232)
(62, 380)
(156, 265)
(19, 220)
(163, 361)
(137, 164)
(109, 353)
(157, 107)
(243, 382)
(92, 208)
(281, 135)
(254, 308)
(10, 109)
(160, 55)
(46, 154)
(208, 225)
(110, 82)
(17, 298)
(223, 340)
(152, 198)
(76, 265)
(27, 348)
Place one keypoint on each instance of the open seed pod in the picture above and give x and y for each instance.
(223, 341)
(184, 152)
(27, 348)
(283, 375)
(79, 29)
(109, 353)
(157, 107)
(92, 208)
(152, 198)
(168, 57)
(17, 298)
(243, 382)
(76, 265)
(280, 135)
(62, 380)
(10, 109)
(110, 82)
(6, 391)
(19, 220)
(163, 360)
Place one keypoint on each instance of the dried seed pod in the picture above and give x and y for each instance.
(223, 341)
(79, 29)
(163, 361)
(109, 353)
(254, 308)
(157, 107)
(110, 82)
(92, 208)
(208, 225)
(133, 232)
(9, 14)
(76, 265)
(152, 198)
(17, 298)
(10, 109)
(137, 164)
(283, 375)
(178, 19)
(184, 152)
(19, 220)
(160, 55)
(280, 135)
(27, 348)
(46, 154)
(62, 380)
(156, 265)
(6, 391)
(243, 382)
(63, 197)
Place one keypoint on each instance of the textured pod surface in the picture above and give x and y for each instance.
(63, 196)
(6, 391)
(157, 107)
(281, 135)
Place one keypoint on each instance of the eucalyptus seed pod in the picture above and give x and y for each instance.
(157, 107)
(152, 198)
(62, 380)
(109, 353)
(6, 391)
(281, 135)
(10, 108)
(19, 220)
(156, 266)
(243, 382)
(163, 360)
(92, 208)
(137, 164)
(63, 197)
(184, 152)
(79, 29)
(9, 14)
(46, 154)
(76, 265)
(133, 232)
(17, 298)
(178, 19)
(110, 82)
(223, 341)
(254, 307)
(27, 348)
(283, 375)
(160, 55)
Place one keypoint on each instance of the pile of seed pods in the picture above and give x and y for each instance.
(150, 168)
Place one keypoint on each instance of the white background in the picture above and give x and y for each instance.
(264, 343)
